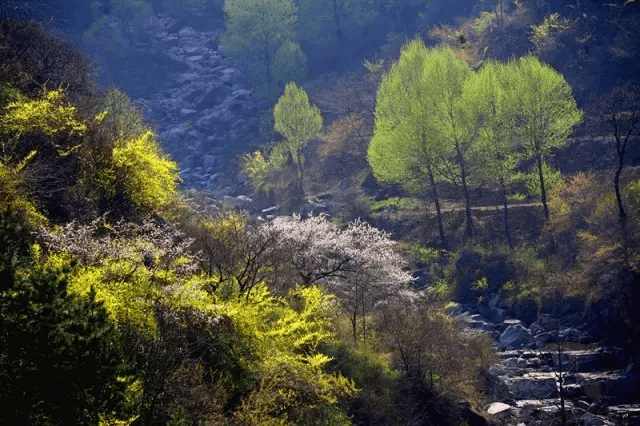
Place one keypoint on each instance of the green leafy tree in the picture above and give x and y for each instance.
(321, 17)
(547, 112)
(452, 119)
(297, 121)
(255, 31)
(60, 357)
(550, 174)
(289, 64)
(496, 107)
(416, 121)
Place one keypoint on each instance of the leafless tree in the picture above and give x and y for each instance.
(618, 112)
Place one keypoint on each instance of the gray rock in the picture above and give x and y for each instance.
(187, 113)
(209, 161)
(544, 323)
(516, 337)
(345, 184)
(498, 407)
(214, 96)
(270, 211)
(313, 209)
(241, 202)
(532, 386)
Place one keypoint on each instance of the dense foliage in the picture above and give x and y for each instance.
(125, 301)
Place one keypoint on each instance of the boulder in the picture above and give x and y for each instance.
(313, 209)
(532, 386)
(241, 202)
(516, 337)
(216, 94)
(498, 407)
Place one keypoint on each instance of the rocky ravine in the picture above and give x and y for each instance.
(199, 102)
(205, 109)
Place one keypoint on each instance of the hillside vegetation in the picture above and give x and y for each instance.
(444, 176)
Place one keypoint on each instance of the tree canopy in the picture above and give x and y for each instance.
(296, 120)
(419, 120)
(436, 119)
(255, 31)
(547, 112)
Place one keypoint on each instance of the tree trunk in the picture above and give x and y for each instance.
(436, 200)
(364, 326)
(467, 199)
(336, 17)
(506, 217)
(616, 183)
(543, 191)
(354, 325)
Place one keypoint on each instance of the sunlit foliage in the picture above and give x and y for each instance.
(49, 114)
(148, 177)
(293, 385)
(296, 120)
(419, 121)
(14, 195)
(547, 112)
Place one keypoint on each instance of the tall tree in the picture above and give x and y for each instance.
(256, 29)
(321, 17)
(404, 148)
(547, 112)
(453, 120)
(618, 113)
(496, 107)
(420, 123)
(296, 120)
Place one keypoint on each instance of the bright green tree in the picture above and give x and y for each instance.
(452, 119)
(255, 31)
(547, 112)
(404, 148)
(296, 120)
(497, 107)
(420, 123)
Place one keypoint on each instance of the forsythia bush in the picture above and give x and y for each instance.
(12, 194)
(149, 178)
(49, 114)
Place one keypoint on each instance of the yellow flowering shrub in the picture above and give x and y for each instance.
(48, 114)
(13, 195)
(149, 177)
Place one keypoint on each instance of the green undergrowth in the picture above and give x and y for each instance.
(400, 203)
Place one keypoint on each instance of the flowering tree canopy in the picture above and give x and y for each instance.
(357, 263)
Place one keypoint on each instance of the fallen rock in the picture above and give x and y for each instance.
(498, 407)
(516, 337)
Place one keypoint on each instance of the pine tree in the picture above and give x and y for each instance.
(60, 357)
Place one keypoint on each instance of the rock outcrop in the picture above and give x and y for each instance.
(556, 357)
